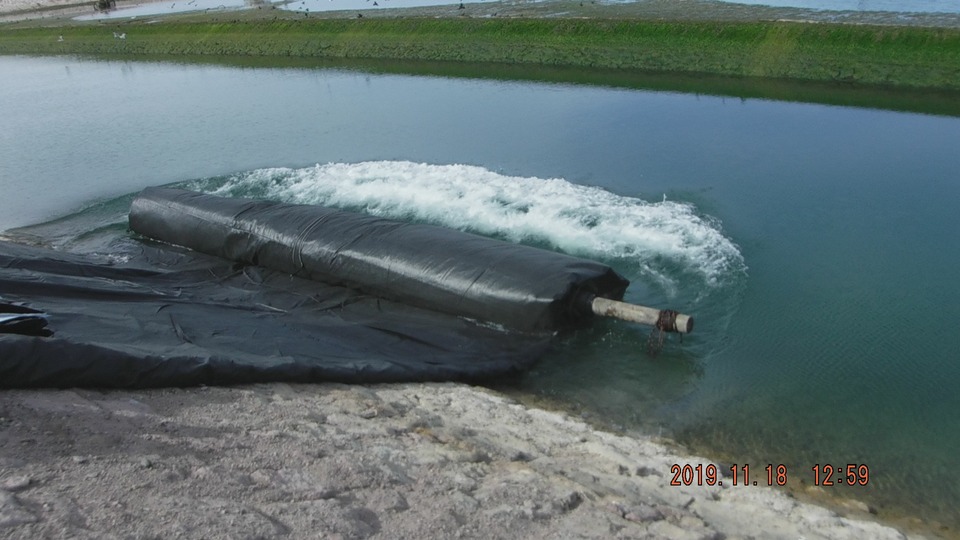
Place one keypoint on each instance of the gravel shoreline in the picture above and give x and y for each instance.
(338, 461)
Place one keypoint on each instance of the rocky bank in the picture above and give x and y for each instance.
(336, 461)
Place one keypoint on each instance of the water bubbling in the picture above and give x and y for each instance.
(662, 240)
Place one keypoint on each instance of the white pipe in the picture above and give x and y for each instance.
(640, 314)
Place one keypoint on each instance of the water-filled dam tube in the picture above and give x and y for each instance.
(444, 270)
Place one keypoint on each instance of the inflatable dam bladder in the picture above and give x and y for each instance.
(519, 287)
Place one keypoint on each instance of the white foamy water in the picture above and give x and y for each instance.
(662, 238)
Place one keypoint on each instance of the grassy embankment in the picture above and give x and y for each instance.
(896, 56)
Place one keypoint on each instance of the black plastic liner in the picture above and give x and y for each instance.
(277, 292)
(169, 317)
(436, 268)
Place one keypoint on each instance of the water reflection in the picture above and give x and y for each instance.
(939, 102)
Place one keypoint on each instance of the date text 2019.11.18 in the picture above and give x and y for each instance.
(771, 475)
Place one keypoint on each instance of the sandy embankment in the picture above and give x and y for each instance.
(336, 461)
(60, 11)
(26, 6)
(21, 5)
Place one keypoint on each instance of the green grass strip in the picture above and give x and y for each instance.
(872, 55)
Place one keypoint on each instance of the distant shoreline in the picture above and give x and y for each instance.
(853, 54)
(59, 11)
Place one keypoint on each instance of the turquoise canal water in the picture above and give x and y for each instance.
(816, 245)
